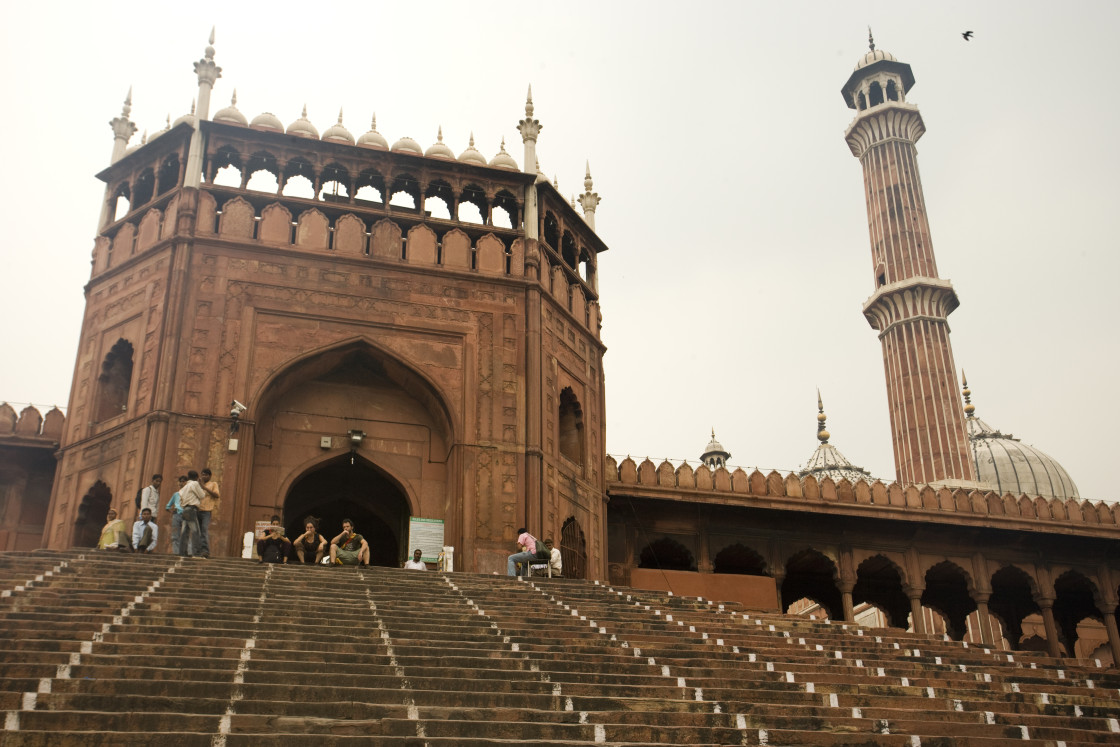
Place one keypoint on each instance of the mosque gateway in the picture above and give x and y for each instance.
(363, 327)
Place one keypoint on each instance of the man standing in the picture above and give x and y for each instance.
(145, 532)
(149, 496)
(190, 497)
(416, 564)
(349, 547)
(526, 552)
(206, 509)
(175, 508)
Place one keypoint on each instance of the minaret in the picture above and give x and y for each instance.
(208, 73)
(589, 200)
(911, 303)
(123, 128)
(530, 129)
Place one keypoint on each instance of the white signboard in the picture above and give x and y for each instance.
(427, 535)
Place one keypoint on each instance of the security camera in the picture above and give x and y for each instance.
(236, 408)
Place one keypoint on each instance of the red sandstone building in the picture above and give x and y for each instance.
(416, 336)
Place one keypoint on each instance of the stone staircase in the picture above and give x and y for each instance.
(109, 649)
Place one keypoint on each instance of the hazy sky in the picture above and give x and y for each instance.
(739, 256)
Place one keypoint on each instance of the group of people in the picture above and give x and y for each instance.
(531, 555)
(312, 548)
(191, 508)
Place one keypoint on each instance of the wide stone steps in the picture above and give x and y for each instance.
(118, 649)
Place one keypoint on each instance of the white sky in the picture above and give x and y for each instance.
(734, 211)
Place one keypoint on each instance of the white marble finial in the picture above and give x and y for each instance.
(233, 99)
(471, 143)
(340, 115)
(304, 115)
(439, 135)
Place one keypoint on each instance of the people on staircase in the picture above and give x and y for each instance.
(554, 558)
(149, 496)
(526, 552)
(207, 507)
(416, 564)
(349, 547)
(114, 535)
(275, 547)
(145, 533)
(190, 498)
(310, 546)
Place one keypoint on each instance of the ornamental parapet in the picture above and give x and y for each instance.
(908, 300)
(894, 501)
(893, 121)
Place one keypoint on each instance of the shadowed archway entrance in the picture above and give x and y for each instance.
(360, 492)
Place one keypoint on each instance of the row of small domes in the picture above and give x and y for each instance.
(338, 133)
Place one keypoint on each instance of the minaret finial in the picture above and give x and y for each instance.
(822, 434)
(340, 115)
(529, 103)
(969, 408)
(439, 135)
(471, 142)
(127, 108)
(233, 98)
(212, 30)
(870, 39)
(587, 177)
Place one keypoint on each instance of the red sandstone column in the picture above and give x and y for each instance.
(1109, 611)
(917, 619)
(986, 633)
(1052, 642)
(911, 303)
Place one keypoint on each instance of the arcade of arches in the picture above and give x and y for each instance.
(1018, 593)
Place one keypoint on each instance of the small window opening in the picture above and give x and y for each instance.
(570, 419)
(876, 94)
(501, 217)
(121, 205)
(435, 207)
(144, 188)
(892, 91)
(299, 186)
(169, 173)
(403, 199)
(367, 194)
(469, 213)
(263, 181)
(228, 176)
(115, 381)
(882, 279)
(862, 101)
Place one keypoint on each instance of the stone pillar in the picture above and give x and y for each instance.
(778, 579)
(846, 597)
(917, 618)
(208, 73)
(986, 633)
(1109, 611)
(1052, 640)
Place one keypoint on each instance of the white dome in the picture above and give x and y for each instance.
(303, 127)
(1010, 466)
(439, 149)
(470, 155)
(504, 160)
(875, 55)
(373, 138)
(231, 114)
(407, 145)
(338, 133)
(267, 121)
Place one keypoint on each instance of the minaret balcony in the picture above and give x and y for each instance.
(908, 300)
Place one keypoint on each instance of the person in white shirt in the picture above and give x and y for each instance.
(149, 496)
(554, 560)
(145, 532)
(416, 564)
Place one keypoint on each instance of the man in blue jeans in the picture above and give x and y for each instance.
(206, 509)
(527, 546)
(176, 510)
(190, 497)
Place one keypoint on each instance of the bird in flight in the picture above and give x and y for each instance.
(967, 35)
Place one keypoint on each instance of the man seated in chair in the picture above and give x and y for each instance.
(526, 555)
(145, 533)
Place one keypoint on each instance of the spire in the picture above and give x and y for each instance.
(208, 73)
(373, 122)
(530, 129)
(439, 135)
(589, 200)
(870, 39)
(123, 128)
(340, 115)
(822, 433)
(969, 408)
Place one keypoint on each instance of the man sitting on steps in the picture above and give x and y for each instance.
(527, 552)
(349, 547)
(145, 532)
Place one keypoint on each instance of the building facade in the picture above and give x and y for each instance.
(344, 353)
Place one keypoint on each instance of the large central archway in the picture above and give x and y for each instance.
(350, 487)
